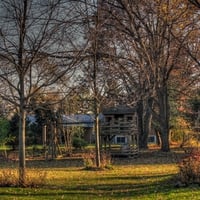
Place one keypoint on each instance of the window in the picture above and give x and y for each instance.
(152, 139)
(108, 119)
(129, 118)
(121, 140)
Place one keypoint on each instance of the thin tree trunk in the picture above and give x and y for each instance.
(147, 125)
(98, 158)
(22, 162)
(96, 108)
(22, 117)
(147, 120)
(140, 112)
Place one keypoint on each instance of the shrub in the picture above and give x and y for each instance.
(189, 169)
(79, 143)
(34, 178)
(106, 160)
(90, 161)
(8, 178)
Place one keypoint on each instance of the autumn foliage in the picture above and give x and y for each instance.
(190, 168)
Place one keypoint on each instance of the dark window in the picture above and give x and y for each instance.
(121, 140)
(108, 119)
(152, 139)
(129, 118)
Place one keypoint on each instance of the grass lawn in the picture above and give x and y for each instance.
(149, 177)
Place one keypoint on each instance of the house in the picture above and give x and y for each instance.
(119, 132)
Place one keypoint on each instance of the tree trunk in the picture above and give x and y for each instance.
(140, 122)
(98, 160)
(95, 71)
(22, 117)
(164, 118)
(22, 163)
(147, 121)
(165, 140)
(144, 122)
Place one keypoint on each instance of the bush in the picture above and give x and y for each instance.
(190, 169)
(8, 178)
(34, 178)
(79, 143)
(90, 161)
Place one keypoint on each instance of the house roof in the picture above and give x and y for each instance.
(84, 120)
(119, 110)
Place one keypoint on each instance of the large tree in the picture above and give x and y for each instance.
(146, 31)
(37, 50)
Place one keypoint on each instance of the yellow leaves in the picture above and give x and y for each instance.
(182, 123)
(172, 10)
(164, 9)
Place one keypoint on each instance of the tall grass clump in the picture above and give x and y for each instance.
(8, 178)
(89, 159)
(34, 178)
(189, 168)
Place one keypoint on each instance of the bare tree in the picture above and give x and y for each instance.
(145, 39)
(195, 3)
(37, 50)
(96, 70)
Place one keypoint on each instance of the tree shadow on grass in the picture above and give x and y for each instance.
(133, 187)
(123, 187)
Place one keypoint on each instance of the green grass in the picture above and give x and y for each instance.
(123, 182)
(149, 177)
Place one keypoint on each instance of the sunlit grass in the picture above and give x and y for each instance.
(130, 181)
(123, 182)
